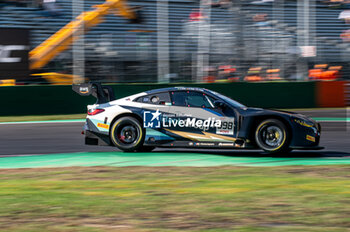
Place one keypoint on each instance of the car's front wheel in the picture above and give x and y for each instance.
(272, 136)
(127, 134)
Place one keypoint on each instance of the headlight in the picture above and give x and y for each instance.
(314, 129)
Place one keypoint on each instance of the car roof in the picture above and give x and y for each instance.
(177, 88)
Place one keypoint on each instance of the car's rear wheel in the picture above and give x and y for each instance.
(272, 136)
(127, 134)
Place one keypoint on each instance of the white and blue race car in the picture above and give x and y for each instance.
(191, 118)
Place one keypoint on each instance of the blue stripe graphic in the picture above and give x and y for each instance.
(214, 112)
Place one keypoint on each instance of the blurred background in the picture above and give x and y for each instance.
(173, 41)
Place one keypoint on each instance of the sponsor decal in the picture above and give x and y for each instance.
(151, 119)
(226, 144)
(204, 144)
(84, 89)
(310, 138)
(179, 114)
(14, 48)
(302, 123)
(102, 125)
(189, 88)
(191, 122)
(6, 50)
(226, 128)
(155, 120)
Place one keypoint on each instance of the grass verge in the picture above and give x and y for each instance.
(175, 199)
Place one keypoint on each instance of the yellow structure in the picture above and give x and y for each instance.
(56, 78)
(9, 82)
(63, 38)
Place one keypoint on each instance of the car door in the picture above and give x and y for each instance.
(154, 106)
(193, 117)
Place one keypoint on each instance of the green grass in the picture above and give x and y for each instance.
(176, 199)
(41, 117)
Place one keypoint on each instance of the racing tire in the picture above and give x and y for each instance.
(127, 134)
(272, 136)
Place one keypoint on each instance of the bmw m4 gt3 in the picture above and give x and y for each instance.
(191, 118)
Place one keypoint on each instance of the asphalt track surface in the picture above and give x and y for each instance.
(66, 137)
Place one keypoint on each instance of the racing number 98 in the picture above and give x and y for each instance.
(226, 126)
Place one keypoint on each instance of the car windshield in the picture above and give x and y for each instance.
(228, 100)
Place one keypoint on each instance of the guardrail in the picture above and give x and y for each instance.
(50, 100)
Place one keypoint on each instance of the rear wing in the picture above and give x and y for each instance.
(103, 94)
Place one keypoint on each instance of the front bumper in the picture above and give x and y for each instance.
(306, 137)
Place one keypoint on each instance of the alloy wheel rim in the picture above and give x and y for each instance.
(127, 134)
(272, 136)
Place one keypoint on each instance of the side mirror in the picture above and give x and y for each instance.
(219, 104)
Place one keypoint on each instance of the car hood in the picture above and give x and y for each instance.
(257, 111)
(261, 110)
(273, 111)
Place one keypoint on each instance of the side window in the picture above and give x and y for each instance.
(192, 99)
(155, 99)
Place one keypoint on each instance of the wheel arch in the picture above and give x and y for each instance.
(127, 114)
(258, 119)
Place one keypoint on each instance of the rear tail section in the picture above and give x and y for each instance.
(103, 94)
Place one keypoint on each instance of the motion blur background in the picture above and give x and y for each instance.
(263, 53)
(267, 53)
(192, 40)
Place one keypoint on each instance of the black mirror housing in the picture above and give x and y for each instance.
(219, 104)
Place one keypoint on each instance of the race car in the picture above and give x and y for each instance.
(189, 117)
